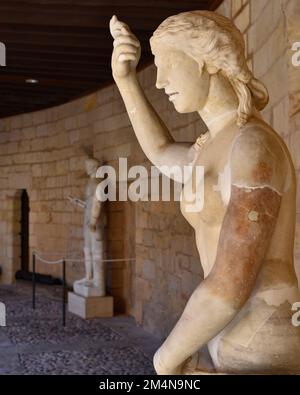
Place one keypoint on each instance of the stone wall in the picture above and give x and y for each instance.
(41, 152)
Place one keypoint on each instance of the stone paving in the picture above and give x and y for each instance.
(35, 342)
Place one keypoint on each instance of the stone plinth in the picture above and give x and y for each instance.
(90, 307)
(86, 289)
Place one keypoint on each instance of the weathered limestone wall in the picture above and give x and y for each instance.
(40, 152)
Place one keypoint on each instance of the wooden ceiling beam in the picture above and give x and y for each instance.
(115, 3)
(20, 78)
(44, 94)
(20, 56)
(35, 88)
(53, 50)
(87, 77)
(99, 18)
(44, 39)
(58, 64)
(66, 45)
(101, 40)
(66, 31)
(87, 15)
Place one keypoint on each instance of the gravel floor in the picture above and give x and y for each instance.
(35, 342)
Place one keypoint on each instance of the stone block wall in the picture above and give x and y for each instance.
(41, 152)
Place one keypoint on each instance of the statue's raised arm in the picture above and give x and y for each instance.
(151, 132)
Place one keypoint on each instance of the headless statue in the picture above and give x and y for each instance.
(242, 310)
(93, 284)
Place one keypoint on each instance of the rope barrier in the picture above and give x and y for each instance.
(102, 260)
(38, 256)
(64, 282)
(48, 262)
(50, 253)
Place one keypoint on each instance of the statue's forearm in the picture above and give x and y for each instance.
(204, 316)
(150, 130)
(244, 238)
(77, 201)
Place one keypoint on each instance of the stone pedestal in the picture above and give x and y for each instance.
(87, 289)
(91, 306)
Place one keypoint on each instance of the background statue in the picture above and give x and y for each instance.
(245, 231)
(93, 284)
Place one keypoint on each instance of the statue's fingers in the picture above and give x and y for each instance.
(125, 30)
(125, 48)
(131, 40)
(124, 57)
(112, 24)
(116, 27)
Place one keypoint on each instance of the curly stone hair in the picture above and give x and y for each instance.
(213, 39)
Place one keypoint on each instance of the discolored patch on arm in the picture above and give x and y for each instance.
(245, 235)
(262, 172)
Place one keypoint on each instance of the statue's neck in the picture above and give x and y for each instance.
(220, 109)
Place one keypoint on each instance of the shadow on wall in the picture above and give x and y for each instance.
(120, 243)
(15, 241)
(20, 235)
(12, 242)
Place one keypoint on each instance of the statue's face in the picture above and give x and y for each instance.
(183, 79)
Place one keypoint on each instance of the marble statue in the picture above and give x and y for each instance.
(245, 230)
(93, 284)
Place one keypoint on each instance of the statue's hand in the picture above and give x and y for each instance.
(195, 365)
(161, 369)
(192, 366)
(127, 49)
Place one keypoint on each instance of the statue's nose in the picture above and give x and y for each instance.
(160, 84)
(161, 81)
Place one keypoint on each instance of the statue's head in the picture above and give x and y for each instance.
(191, 47)
(91, 166)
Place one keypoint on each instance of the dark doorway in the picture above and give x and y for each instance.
(24, 232)
(24, 273)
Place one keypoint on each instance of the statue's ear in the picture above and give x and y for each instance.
(212, 69)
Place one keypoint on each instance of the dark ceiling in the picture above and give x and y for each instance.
(66, 45)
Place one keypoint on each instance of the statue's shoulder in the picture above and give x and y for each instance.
(258, 156)
(258, 137)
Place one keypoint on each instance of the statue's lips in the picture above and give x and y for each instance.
(172, 95)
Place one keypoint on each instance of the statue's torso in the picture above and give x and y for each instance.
(90, 193)
(276, 285)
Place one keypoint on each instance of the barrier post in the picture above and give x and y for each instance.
(33, 280)
(63, 292)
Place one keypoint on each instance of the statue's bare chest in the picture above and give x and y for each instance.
(214, 187)
(212, 200)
